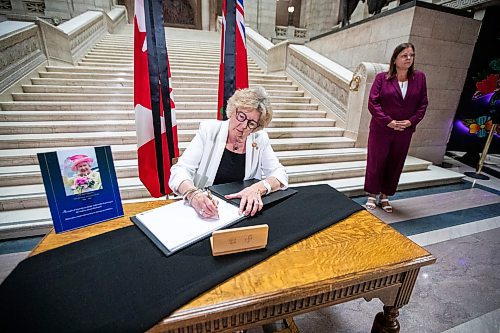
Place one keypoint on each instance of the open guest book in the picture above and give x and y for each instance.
(175, 226)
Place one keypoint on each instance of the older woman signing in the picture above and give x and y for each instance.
(232, 150)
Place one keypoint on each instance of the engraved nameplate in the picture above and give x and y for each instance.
(239, 239)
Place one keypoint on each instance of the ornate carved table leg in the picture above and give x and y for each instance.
(386, 322)
(287, 325)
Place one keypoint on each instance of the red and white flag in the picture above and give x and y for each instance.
(233, 69)
(157, 144)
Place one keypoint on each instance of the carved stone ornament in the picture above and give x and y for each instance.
(178, 12)
(5, 5)
(358, 76)
(35, 6)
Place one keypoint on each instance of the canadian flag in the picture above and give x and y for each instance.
(156, 126)
(233, 68)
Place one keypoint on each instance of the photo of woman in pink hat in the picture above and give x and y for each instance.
(80, 175)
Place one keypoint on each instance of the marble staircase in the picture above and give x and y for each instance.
(92, 104)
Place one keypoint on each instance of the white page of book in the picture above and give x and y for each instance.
(177, 224)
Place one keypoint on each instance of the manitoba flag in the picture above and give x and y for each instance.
(156, 126)
(233, 69)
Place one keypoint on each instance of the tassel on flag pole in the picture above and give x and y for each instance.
(233, 68)
(157, 143)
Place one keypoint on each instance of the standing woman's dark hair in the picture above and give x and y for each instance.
(392, 65)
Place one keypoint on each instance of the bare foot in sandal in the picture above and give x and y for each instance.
(371, 202)
(384, 204)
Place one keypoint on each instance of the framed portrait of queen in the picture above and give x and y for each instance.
(81, 186)
(80, 171)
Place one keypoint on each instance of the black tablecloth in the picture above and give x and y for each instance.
(121, 282)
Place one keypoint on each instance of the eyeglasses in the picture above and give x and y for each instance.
(241, 117)
(409, 56)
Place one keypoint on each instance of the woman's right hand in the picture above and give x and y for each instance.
(204, 206)
(395, 125)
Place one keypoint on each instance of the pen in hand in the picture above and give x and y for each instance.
(211, 197)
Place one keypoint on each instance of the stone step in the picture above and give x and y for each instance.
(37, 221)
(186, 49)
(173, 56)
(316, 156)
(285, 86)
(432, 176)
(55, 140)
(27, 155)
(25, 116)
(100, 106)
(109, 58)
(182, 45)
(176, 71)
(20, 129)
(113, 60)
(173, 60)
(329, 171)
(127, 61)
(124, 97)
(64, 89)
(30, 174)
(174, 68)
(213, 79)
(174, 52)
(33, 196)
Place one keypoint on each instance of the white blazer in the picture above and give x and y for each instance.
(200, 161)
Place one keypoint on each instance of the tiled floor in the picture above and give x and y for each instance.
(459, 224)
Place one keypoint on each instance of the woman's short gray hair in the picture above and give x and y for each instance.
(252, 98)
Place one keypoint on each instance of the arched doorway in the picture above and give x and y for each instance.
(182, 13)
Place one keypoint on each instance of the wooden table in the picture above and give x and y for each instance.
(360, 256)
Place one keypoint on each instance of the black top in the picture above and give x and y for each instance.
(231, 168)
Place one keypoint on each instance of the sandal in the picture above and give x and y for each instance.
(387, 207)
(371, 203)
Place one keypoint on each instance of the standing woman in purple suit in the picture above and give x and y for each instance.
(397, 103)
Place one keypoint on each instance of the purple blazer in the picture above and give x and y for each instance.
(386, 102)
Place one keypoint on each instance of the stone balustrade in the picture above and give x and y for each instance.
(116, 18)
(69, 41)
(21, 51)
(258, 47)
(26, 45)
(326, 80)
(297, 35)
(358, 118)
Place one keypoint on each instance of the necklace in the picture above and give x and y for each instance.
(402, 84)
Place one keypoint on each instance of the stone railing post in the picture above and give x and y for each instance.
(68, 42)
(358, 117)
(276, 57)
(258, 47)
(116, 18)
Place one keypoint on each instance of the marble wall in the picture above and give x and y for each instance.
(444, 44)
(319, 16)
(260, 15)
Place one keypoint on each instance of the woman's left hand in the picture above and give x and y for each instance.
(251, 200)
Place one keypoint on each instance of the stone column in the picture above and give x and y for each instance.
(261, 16)
(205, 14)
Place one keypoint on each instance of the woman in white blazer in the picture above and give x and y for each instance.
(231, 150)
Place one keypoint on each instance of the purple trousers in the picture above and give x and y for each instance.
(387, 150)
